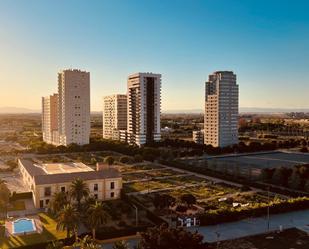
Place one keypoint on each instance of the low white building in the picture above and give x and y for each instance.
(44, 180)
(198, 137)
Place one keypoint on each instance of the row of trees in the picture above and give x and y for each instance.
(4, 197)
(296, 178)
(75, 207)
(161, 237)
(165, 150)
(164, 201)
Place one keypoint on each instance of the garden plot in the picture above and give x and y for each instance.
(138, 168)
(161, 184)
(86, 158)
(249, 199)
(204, 192)
(151, 185)
(149, 174)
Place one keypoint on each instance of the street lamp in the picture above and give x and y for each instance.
(136, 214)
(268, 207)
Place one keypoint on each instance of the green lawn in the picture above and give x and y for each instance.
(49, 233)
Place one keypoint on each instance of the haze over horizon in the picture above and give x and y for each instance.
(266, 43)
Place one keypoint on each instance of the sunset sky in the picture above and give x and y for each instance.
(265, 42)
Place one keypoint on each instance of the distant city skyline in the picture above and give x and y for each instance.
(266, 43)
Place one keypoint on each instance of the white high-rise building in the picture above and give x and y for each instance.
(66, 115)
(74, 107)
(198, 136)
(144, 108)
(114, 115)
(50, 119)
(221, 109)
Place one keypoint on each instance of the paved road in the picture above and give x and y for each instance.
(238, 229)
(232, 230)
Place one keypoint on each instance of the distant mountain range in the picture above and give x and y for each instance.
(244, 110)
(271, 110)
(16, 110)
(13, 110)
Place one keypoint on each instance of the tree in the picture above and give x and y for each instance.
(295, 181)
(58, 201)
(87, 203)
(121, 244)
(242, 123)
(281, 176)
(87, 243)
(97, 216)
(4, 196)
(304, 149)
(307, 186)
(124, 159)
(163, 201)
(138, 158)
(55, 245)
(267, 174)
(109, 160)
(170, 238)
(189, 199)
(78, 191)
(67, 219)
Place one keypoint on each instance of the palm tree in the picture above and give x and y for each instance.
(97, 216)
(90, 200)
(67, 219)
(87, 243)
(78, 191)
(55, 245)
(59, 200)
(4, 197)
(121, 244)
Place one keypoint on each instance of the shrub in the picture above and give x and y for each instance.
(109, 160)
(181, 208)
(124, 159)
(138, 158)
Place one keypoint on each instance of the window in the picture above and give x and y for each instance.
(112, 185)
(46, 201)
(47, 191)
(95, 187)
(41, 203)
(112, 194)
(95, 196)
(62, 189)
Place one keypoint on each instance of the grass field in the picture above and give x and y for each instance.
(49, 233)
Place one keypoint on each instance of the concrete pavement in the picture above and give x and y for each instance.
(247, 227)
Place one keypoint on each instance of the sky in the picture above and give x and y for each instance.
(265, 42)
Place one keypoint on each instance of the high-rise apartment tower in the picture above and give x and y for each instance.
(66, 115)
(114, 115)
(50, 119)
(221, 109)
(144, 108)
(74, 107)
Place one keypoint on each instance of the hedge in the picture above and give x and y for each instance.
(214, 217)
(241, 180)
